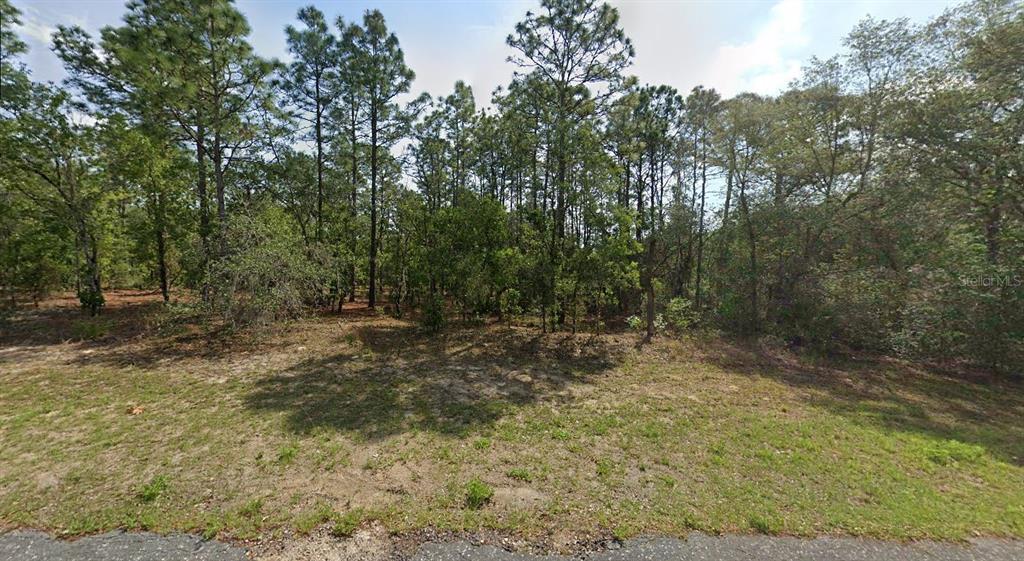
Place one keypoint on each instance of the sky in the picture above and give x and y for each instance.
(732, 46)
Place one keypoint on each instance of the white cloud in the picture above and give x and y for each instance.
(474, 54)
(769, 60)
(729, 46)
(33, 29)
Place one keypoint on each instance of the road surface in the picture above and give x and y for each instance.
(121, 546)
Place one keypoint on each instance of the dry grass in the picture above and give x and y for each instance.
(336, 420)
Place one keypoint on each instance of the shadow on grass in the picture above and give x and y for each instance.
(398, 379)
(967, 406)
(63, 321)
(136, 329)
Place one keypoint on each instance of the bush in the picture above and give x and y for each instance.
(636, 323)
(945, 316)
(433, 318)
(639, 323)
(267, 274)
(679, 314)
(510, 304)
(91, 299)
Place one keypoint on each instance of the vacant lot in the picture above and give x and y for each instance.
(138, 421)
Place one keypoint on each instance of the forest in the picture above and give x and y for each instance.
(877, 204)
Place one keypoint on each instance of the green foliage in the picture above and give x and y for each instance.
(433, 317)
(287, 454)
(152, 490)
(679, 314)
(520, 474)
(636, 323)
(874, 205)
(478, 494)
(90, 329)
(346, 524)
(264, 278)
(91, 298)
(511, 306)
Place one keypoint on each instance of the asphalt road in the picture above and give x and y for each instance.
(701, 547)
(120, 546)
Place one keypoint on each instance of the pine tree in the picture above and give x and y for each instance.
(380, 69)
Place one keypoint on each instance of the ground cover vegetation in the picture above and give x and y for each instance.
(334, 424)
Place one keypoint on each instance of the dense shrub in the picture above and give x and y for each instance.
(679, 314)
(266, 275)
(433, 316)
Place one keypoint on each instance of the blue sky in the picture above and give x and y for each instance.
(732, 46)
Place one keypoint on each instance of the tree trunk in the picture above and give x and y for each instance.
(373, 206)
(90, 291)
(648, 285)
(161, 248)
(352, 202)
(204, 207)
(993, 226)
(319, 164)
(218, 176)
(751, 240)
(700, 226)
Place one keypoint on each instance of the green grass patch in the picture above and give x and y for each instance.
(152, 490)
(478, 494)
(287, 454)
(520, 474)
(345, 524)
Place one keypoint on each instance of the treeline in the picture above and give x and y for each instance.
(877, 203)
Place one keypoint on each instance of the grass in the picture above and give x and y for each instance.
(520, 474)
(345, 524)
(334, 422)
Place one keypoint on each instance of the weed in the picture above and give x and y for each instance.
(90, 329)
(478, 493)
(309, 520)
(651, 430)
(345, 524)
(151, 491)
(765, 524)
(947, 452)
(520, 474)
(287, 454)
(252, 508)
